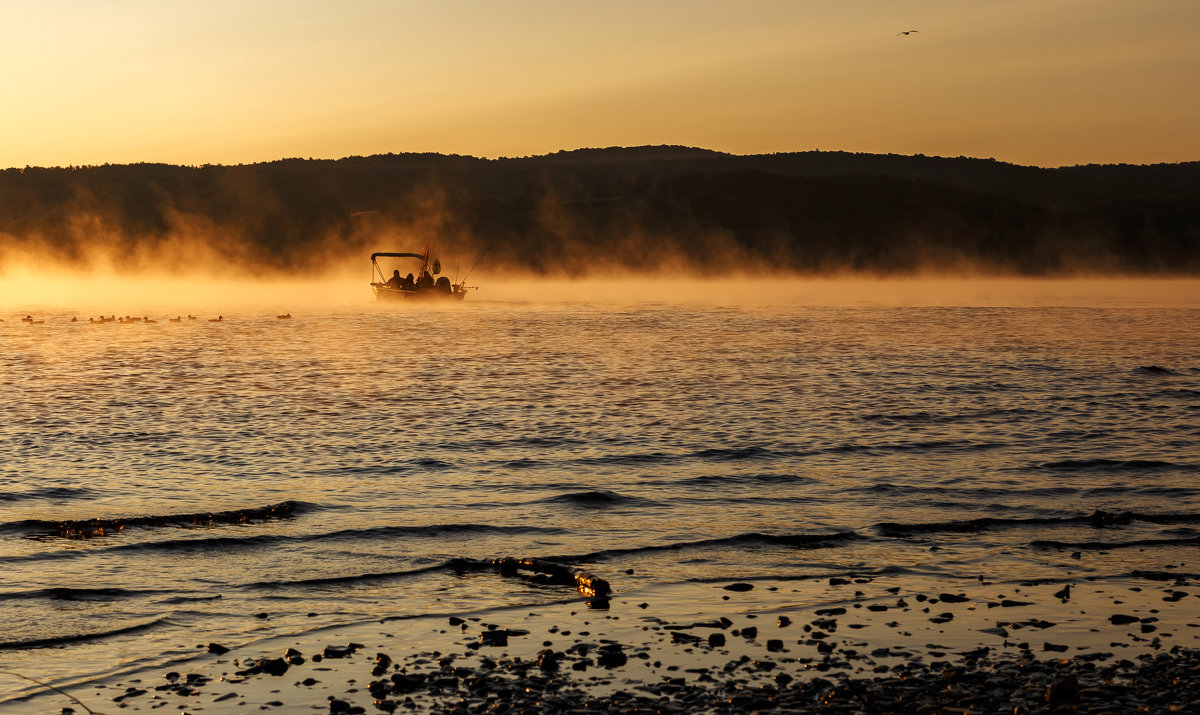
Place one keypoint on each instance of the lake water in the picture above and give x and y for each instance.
(260, 476)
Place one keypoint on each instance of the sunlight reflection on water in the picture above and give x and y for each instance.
(654, 437)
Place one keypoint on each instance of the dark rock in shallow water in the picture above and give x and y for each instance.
(953, 598)
(402, 683)
(548, 660)
(217, 648)
(270, 666)
(1064, 691)
(612, 656)
(340, 651)
(1120, 619)
(494, 638)
(716, 640)
(382, 663)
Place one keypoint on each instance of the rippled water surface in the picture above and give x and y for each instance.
(164, 485)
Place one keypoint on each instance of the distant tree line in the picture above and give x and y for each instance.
(643, 208)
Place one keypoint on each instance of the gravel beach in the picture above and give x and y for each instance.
(871, 643)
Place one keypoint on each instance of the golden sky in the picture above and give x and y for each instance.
(1047, 82)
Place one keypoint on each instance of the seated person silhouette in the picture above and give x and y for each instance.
(395, 281)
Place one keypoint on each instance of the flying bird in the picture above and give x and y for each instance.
(905, 32)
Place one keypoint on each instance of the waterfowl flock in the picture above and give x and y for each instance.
(29, 319)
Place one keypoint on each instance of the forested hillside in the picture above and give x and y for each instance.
(644, 208)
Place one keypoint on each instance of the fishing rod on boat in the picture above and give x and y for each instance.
(477, 260)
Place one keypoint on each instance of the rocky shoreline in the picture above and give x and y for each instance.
(835, 645)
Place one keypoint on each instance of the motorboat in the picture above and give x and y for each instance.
(419, 286)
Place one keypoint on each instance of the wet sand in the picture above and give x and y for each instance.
(876, 642)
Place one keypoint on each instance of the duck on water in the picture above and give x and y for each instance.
(422, 286)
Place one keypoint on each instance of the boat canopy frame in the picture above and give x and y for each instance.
(422, 257)
(394, 255)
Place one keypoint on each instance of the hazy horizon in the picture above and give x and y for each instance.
(1035, 83)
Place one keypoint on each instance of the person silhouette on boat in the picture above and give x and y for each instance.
(426, 281)
(395, 281)
(410, 283)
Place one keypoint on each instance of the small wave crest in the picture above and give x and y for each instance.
(711, 454)
(926, 417)
(1108, 545)
(802, 541)
(596, 499)
(253, 541)
(62, 593)
(1071, 465)
(1098, 518)
(54, 641)
(545, 572)
(743, 479)
(1159, 370)
(92, 528)
(45, 493)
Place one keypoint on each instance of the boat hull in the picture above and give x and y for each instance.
(388, 294)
